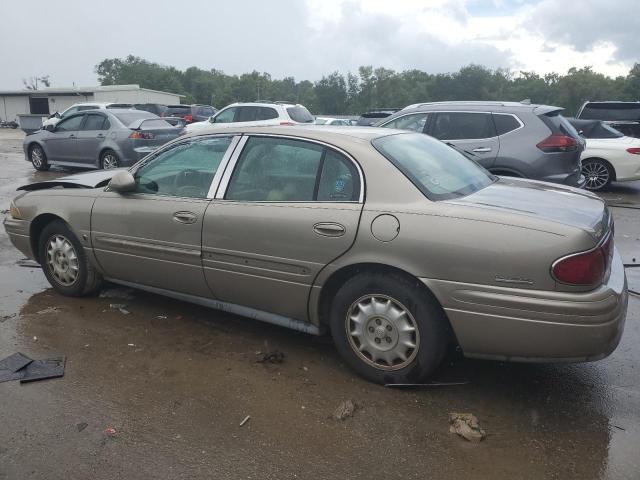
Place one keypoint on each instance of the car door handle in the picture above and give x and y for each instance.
(72, 135)
(481, 150)
(328, 229)
(100, 135)
(185, 217)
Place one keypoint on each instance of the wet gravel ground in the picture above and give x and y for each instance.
(175, 381)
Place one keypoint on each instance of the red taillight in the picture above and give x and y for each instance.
(188, 118)
(558, 143)
(588, 268)
(634, 150)
(142, 135)
(287, 123)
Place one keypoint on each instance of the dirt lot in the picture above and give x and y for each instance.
(175, 380)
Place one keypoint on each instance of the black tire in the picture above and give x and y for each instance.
(106, 159)
(38, 158)
(598, 174)
(424, 312)
(87, 280)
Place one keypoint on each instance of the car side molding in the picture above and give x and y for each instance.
(253, 313)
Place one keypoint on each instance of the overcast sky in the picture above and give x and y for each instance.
(309, 38)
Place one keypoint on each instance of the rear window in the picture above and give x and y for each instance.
(206, 111)
(178, 109)
(300, 114)
(127, 118)
(558, 124)
(611, 111)
(437, 170)
(120, 105)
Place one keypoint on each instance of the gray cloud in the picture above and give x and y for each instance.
(589, 23)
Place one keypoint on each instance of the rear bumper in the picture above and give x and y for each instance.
(536, 326)
(575, 179)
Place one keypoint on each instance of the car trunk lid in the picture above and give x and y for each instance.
(543, 200)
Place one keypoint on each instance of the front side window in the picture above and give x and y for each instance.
(225, 116)
(462, 126)
(285, 170)
(438, 171)
(414, 122)
(185, 170)
(69, 124)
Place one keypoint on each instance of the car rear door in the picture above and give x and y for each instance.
(91, 137)
(285, 208)
(62, 145)
(471, 131)
(152, 236)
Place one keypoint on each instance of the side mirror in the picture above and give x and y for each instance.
(212, 119)
(122, 182)
(49, 128)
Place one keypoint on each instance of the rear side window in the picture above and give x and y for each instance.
(300, 114)
(462, 126)
(339, 180)
(414, 122)
(267, 113)
(246, 114)
(94, 122)
(505, 123)
(611, 111)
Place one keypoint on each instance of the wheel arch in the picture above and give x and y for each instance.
(37, 226)
(508, 172)
(340, 276)
(606, 162)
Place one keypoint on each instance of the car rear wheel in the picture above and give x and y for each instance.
(388, 328)
(598, 174)
(109, 160)
(38, 158)
(64, 262)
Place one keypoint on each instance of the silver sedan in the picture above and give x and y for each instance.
(396, 243)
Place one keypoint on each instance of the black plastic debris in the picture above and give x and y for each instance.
(15, 362)
(271, 357)
(43, 369)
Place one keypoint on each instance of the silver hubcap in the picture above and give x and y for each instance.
(62, 260)
(382, 332)
(109, 161)
(36, 156)
(597, 175)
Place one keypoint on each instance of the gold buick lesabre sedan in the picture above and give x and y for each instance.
(398, 244)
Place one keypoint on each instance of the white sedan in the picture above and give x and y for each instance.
(608, 155)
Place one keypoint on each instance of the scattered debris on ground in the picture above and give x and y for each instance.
(120, 293)
(20, 367)
(466, 425)
(48, 310)
(121, 307)
(270, 357)
(110, 431)
(28, 263)
(345, 410)
(245, 420)
(7, 317)
(81, 426)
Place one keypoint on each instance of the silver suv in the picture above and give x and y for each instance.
(507, 138)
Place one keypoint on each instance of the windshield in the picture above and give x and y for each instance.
(439, 172)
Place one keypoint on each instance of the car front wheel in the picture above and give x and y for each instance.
(38, 158)
(64, 262)
(388, 328)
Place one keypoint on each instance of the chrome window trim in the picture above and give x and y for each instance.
(223, 164)
(224, 184)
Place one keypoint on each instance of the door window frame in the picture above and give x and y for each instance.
(235, 139)
(232, 163)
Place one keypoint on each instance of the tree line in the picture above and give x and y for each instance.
(370, 87)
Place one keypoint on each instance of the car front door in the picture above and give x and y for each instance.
(152, 236)
(91, 137)
(473, 132)
(284, 209)
(61, 144)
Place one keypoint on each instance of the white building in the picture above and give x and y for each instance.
(49, 100)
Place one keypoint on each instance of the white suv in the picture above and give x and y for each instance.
(255, 113)
(79, 107)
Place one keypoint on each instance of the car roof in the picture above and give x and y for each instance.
(328, 133)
